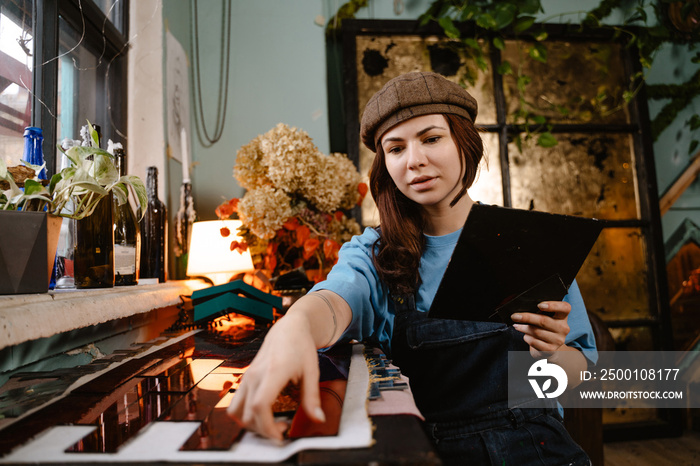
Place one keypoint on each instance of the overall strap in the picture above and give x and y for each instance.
(404, 303)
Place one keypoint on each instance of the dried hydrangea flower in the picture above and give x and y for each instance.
(335, 184)
(249, 169)
(264, 210)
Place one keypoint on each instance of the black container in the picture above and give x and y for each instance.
(154, 228)
(94, 246)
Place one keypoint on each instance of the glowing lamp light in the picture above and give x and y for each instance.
(210, 253)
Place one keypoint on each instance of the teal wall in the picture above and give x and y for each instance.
(673, 66)
(278, 74)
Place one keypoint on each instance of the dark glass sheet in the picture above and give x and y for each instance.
(216, 432)
(198, 403)
(123, 420)
(502, 253)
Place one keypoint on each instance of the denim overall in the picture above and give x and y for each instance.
(458, 375)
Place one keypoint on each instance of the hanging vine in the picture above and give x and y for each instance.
(676, 22)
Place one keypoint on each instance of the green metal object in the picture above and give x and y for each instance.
(236, 296)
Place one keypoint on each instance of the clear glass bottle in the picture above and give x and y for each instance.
(127, 235)
(94, 246)
(63, 269)
(154, 231)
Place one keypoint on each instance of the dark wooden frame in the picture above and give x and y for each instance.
(639, 128)
(45, 30)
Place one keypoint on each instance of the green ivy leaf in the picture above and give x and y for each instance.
(641, 14)
(523, 23)
(591, 20)
(93, 135)
(693, 145)
(522, 82)
(530, 7)
(563, 110)
(499, 43)
(541, 36)
(472, 44)
(32, 187)
(54, 181)
(504, 14)
(694, 122)
(120, 193)
(546, 139)
(505, 68)
(538, 52)
(139, 189)
(486, 21)
(469, 12)
(449, 27)
(519, 143)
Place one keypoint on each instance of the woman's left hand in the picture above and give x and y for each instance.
(545, 333)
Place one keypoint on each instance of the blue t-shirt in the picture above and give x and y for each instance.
(355, 279)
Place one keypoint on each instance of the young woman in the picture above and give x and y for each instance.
(421, 127)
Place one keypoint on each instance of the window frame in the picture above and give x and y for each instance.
(45, 32)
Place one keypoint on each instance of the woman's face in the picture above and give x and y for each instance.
(423, 160)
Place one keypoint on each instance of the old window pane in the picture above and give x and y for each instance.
(488, 186)
(586, 79)
(16, 44)
(614, 278)
(589, 175)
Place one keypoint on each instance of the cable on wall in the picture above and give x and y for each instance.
(200, 123)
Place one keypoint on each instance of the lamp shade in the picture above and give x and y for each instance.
(210, 253)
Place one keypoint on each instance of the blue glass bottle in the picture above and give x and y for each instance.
(33, 153)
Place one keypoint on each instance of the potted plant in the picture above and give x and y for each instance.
(30, 219)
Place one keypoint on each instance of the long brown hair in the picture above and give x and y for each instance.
(401, 241)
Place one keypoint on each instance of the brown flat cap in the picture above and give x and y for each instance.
(410, 95)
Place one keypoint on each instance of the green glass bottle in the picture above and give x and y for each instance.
(94, 246)
(154, 232)
(127, 235)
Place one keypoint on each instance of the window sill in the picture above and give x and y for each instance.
(30, 317)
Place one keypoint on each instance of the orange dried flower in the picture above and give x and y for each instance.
(228, 208)
(330, 249)
(303, 232)
(310, 246)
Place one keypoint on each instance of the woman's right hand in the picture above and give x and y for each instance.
(289, 353)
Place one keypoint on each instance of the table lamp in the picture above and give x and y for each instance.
(210, 253)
